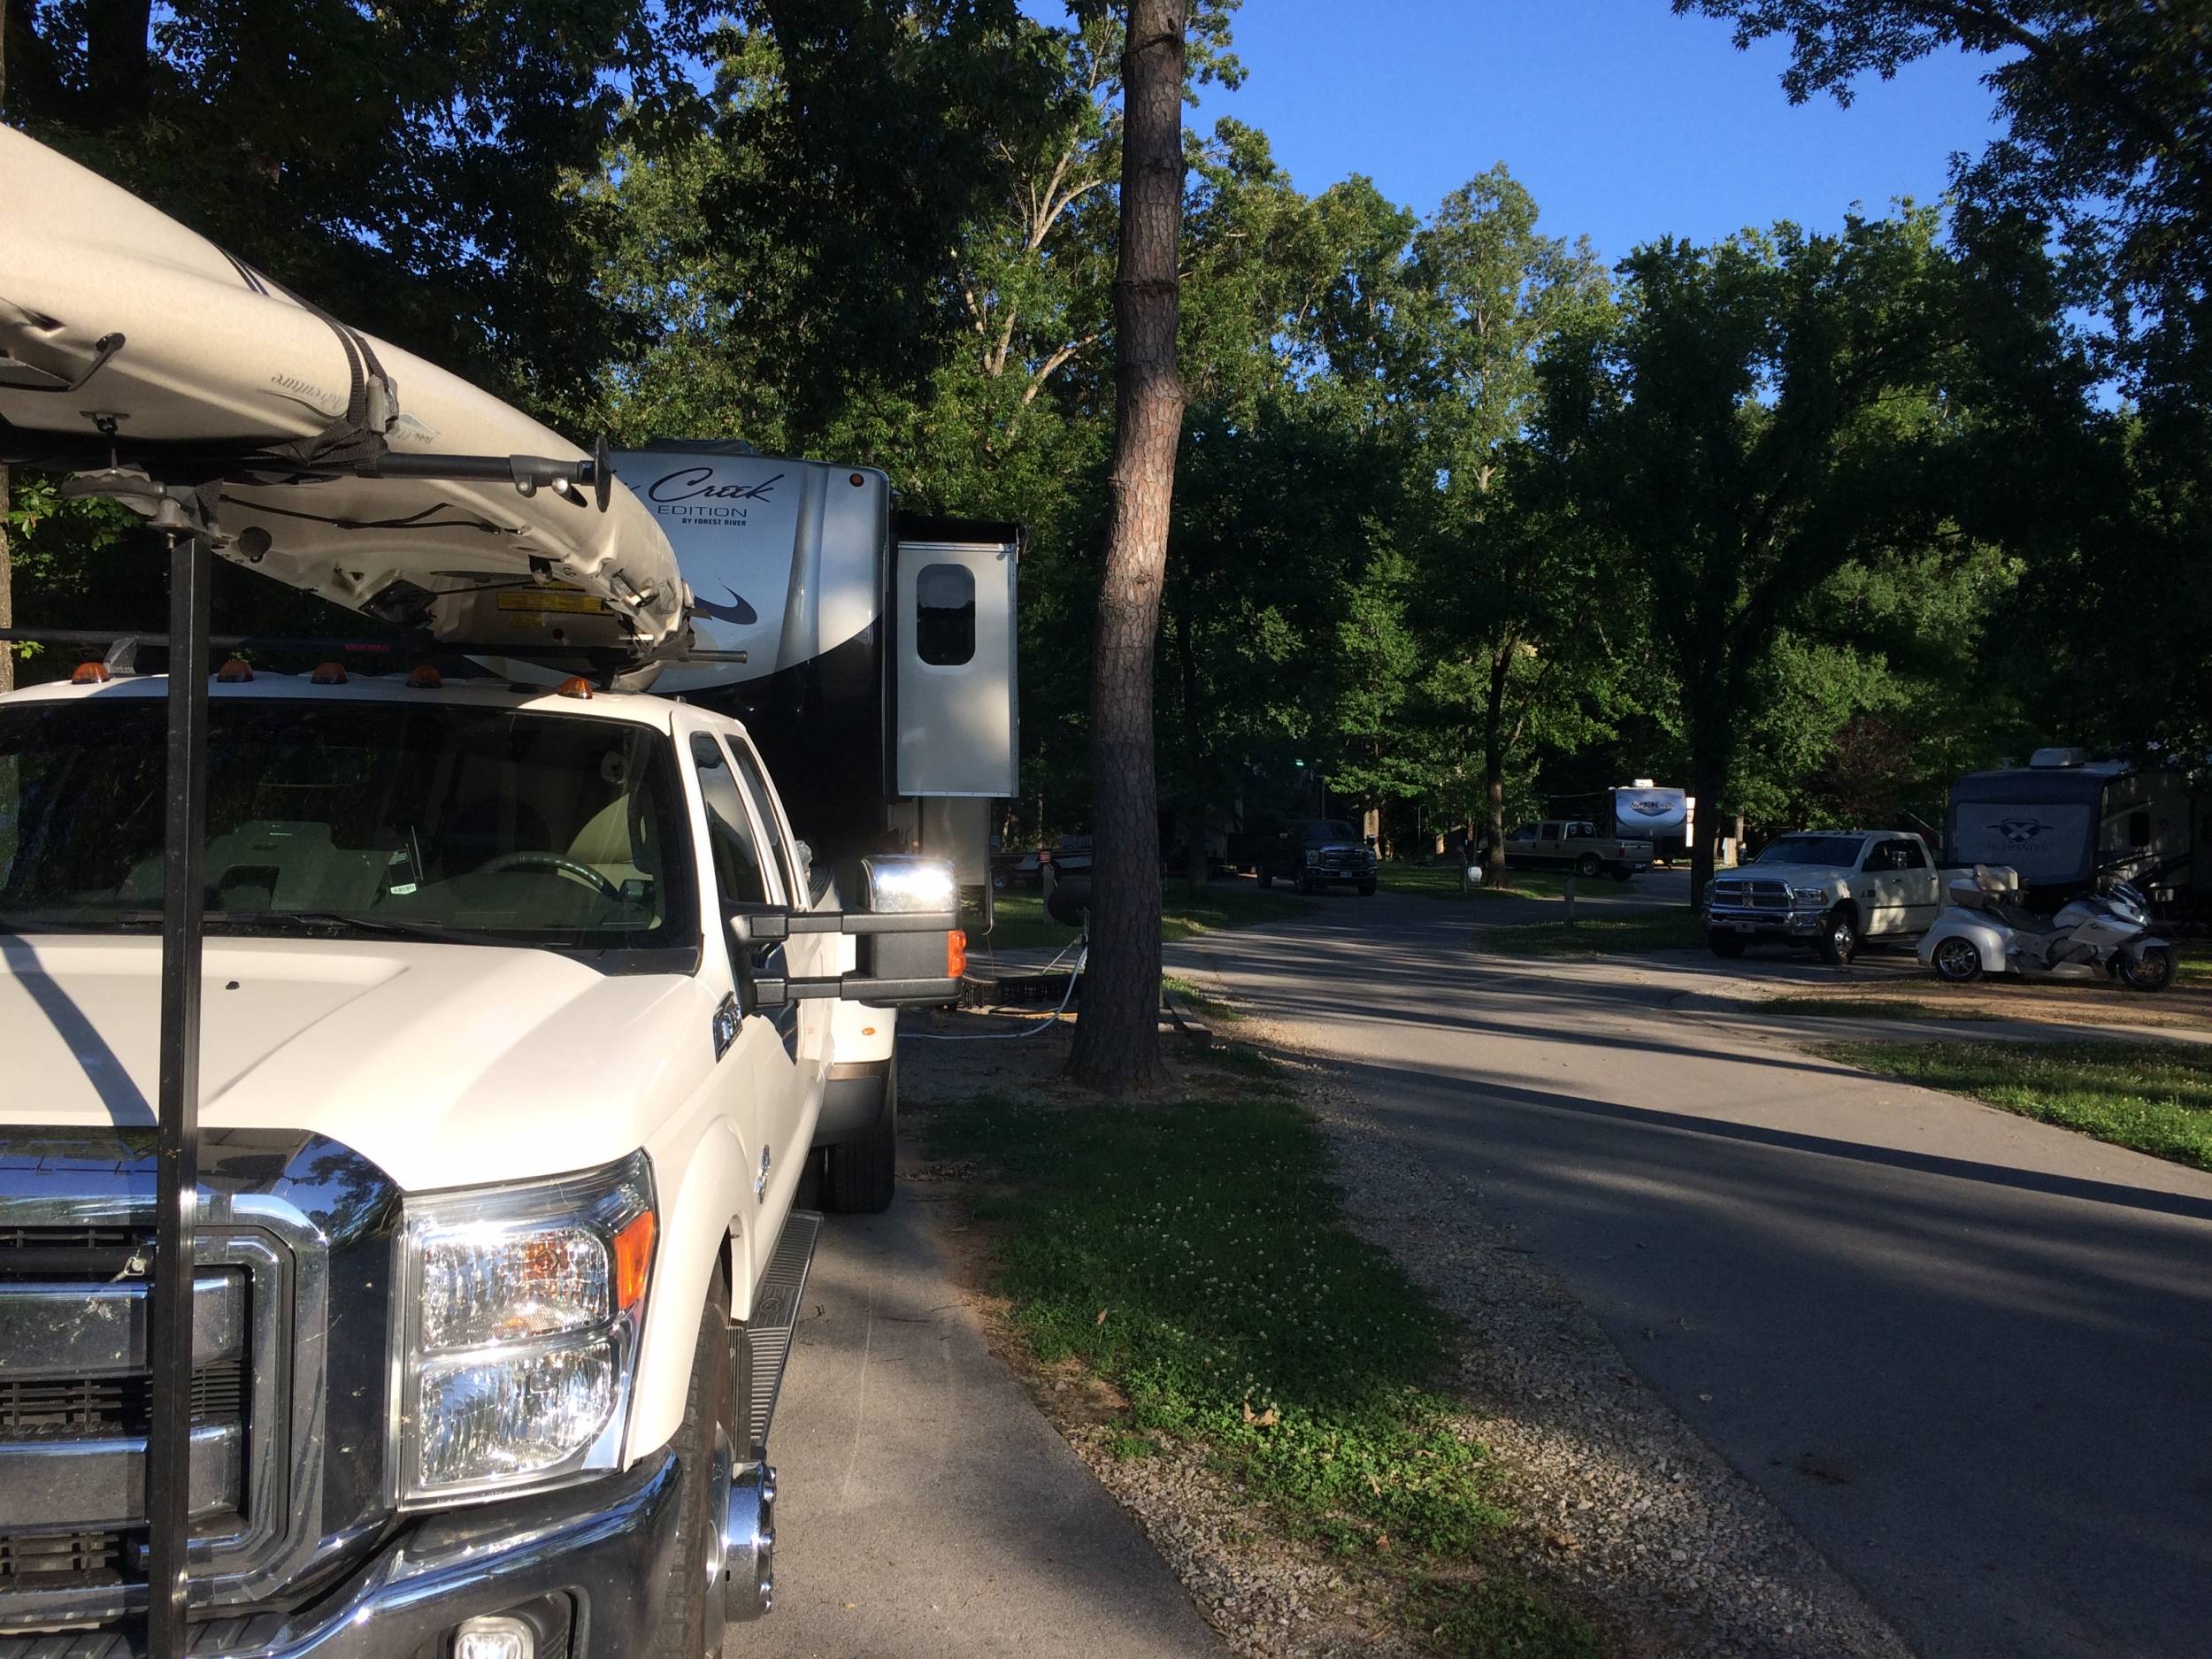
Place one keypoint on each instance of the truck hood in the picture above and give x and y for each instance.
(1796, 875)
(436, 1062)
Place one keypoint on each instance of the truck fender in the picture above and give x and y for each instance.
(706, 1200)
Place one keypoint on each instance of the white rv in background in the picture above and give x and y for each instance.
(879, 674)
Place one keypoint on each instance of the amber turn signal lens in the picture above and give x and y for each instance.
(632, 1260)
(956, 954)
(235, 672)
(329, 674)
(90, 674)
(576, 686)
(425, 678)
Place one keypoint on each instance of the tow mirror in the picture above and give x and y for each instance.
(906, 932)
(741, 940)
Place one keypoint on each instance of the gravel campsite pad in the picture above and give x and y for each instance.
(1617, 1507)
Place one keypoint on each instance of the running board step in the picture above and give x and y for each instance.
(765, 1340)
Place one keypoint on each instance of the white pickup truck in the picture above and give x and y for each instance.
(515, 1036)
(1575, 844)
(1826, 890)
(411, 1075)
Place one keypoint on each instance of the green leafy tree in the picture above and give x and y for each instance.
(1772, 411)
(2104, 104)
(1451, 360)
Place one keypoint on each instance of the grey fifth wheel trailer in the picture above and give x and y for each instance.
(2066, 822)
(879, 668)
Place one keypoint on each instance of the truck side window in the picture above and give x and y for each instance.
(1907, 856)
(944, 615)
(740, 872)
(756, 790)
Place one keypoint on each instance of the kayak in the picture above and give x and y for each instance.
(322, 455)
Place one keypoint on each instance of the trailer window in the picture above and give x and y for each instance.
(944, 615)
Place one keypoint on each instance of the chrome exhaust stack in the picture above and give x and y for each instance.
(749, 1544)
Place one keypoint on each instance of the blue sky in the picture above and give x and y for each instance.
(1626, 122)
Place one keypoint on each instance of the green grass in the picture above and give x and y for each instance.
(1441, 881)
(1597, 935)
(1871, 1008)
(1019, 919)
(2193, 964)
(2156, 1097)
(1202, 1003)
(1194, 1256)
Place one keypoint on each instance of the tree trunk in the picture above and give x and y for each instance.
(1197, 759)
(7, 577)
(1708, 770)
(1493, 768)
(1118, 1038)
(118, 65)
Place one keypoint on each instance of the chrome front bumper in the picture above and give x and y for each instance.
(596, 1553)
(1792, 923)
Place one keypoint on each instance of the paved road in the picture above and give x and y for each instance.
(1971, 1356)
(926, 1510)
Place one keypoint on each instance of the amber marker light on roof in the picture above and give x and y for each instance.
(90, 674)
(235, 672)
(576, 686)
(329, 674)
(422, 676)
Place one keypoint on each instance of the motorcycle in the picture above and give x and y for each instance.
(1985, 929)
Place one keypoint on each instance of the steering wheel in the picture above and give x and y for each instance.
(559, 863)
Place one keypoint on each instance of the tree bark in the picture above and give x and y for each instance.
(1198, 760)
(119, 64)
(7, 578)
(1708, 771)
(1118, 1038)
(1493, 768)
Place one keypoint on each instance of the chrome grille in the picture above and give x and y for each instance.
(76, 1397)
(1751, 895)
(63, 1561)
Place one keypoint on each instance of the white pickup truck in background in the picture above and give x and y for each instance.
(1826, 890)
(1575, 844)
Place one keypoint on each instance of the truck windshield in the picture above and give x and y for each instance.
(1812, 849)
(470, 824)
(1328, 830)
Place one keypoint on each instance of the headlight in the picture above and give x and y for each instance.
(1809, 895)
(522, 1310)
(1313, 857)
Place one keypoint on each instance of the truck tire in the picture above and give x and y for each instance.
(706, 1445)
(1367, 888)
(1839, 937)
(1728, 945)
(860, 1177)
(1589, 866)
(1621, 872)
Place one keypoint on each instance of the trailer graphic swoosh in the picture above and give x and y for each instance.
(737, 610)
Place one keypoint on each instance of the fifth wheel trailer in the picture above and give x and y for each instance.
(878, 672)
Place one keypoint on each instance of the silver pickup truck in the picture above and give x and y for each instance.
(1828, 890)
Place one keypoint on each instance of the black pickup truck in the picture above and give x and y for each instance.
(1317, 853)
